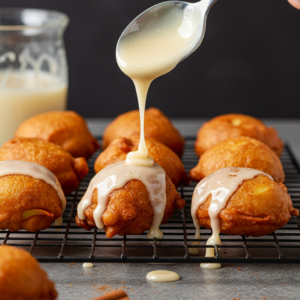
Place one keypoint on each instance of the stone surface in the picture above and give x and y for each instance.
(250, 282)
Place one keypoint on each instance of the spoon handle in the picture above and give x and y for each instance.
(206, 4)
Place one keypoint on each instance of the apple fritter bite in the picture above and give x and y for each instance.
(22, 278)
(27, 203)
(157, 126)
(161, 154)
(129, 209)
(241, 152)
(228, 126)
(64, 128)
(258, 207)
(69, 171)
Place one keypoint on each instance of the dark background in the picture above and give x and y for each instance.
(248, 62)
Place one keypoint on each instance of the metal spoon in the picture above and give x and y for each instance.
(198, 11)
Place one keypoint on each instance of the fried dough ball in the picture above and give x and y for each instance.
(157, 126)
(241, 152)
(69, 171)
(27, 203)
(129, 209)
(224, 127)
(64, 128)
(161, 154)
(22, 278)
(259, 206)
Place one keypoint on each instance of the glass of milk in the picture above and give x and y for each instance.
(33, 66)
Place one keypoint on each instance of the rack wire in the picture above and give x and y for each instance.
(69, 243)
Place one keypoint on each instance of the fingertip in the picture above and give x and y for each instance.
(295, 3)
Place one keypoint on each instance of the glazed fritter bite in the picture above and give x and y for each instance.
(22, 278)
(69, 171)
(241, 152)
(129, 209)
(224, 127)
(161, 154)
(260, 206)
(64, 128)
(157, 126)
(27, 203)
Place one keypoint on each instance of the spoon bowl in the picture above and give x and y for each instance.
(193, 21)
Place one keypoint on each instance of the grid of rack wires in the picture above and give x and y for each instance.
(69, 243)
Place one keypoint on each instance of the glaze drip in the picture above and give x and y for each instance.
(115, 177)
(221, 185)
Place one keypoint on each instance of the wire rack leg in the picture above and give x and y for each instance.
(6, 237)
(68, 228)
(217, 251)
(94, 243)
(155, 256)
(248, 256)
(186, 253)
(34, 242)
(297, 221)
(277, 246)
(123, 256)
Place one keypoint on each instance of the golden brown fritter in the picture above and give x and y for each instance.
(240, 152)
(69, 171)
(259, 206)
(129, 209)
(161, 154)
(224, 127)
(157, 126)
(64, 128)
(22, 278)
(20, 196)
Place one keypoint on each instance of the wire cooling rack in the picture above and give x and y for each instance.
(69, 243)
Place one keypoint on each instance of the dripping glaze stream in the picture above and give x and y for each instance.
(151, 46)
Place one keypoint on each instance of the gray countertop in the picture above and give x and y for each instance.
(250, 282)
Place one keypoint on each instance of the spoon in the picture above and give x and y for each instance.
(193, 22)
(153, 44)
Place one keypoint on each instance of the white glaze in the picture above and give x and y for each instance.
(163, 276)
(15, 167)
(157, 46)
(221, 185)
(115, 177)
(87, 265)
(146, 52)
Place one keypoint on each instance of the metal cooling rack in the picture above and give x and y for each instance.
(69, 243)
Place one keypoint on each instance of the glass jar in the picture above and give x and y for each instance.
(33, 66)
